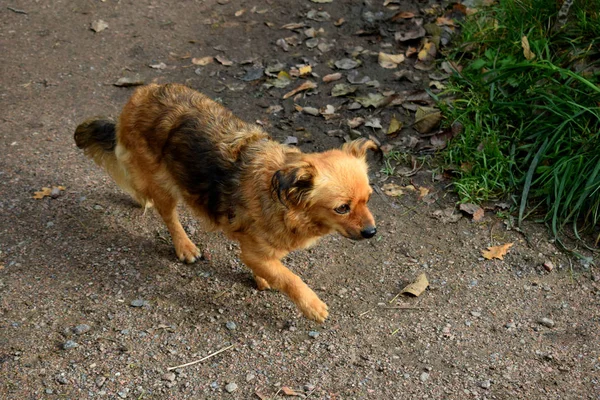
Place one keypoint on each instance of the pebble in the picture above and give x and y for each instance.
(548, 266)
(231, 387)
(424, 376)
(547, 322)
(49, 391)
(69, 344)
(123, 393)
(81, 328)
(139, 303)
(231, 325)
(510, 325)
(476, 314)
(250, 377)
(169, 376)
(313, 334)
(485, 384)
(309, 387)
(100, 381)
(62, 379)
(214, 385)
(55, 192)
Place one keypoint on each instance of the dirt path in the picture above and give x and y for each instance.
(81, 259)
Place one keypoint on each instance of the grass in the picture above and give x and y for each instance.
(531, 126)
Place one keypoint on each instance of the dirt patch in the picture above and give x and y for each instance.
(86, 256)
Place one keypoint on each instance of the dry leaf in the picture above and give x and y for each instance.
(496, 251)
(305, 86)
(202, 60)
(305, 70)
(390, 61)
(294, 25)
(46, 191)
(443, 21)
(428, 52)
(416, 33)
(391, 189)
(426, 119)
(423, 191)
(394, 127)
(99, 26)
(417, 287)
(346, 63)
(403, 15)
(332, 77)
(160, 65)
(127, 81)
(339, 22)
(472, 209)
(355, 122)
(289, 391)
(223, 60)
(529, 55)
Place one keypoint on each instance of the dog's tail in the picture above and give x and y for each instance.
(97, 137)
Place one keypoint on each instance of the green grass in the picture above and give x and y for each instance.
(531, 127)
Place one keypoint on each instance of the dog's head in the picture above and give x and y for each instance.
(332, 188)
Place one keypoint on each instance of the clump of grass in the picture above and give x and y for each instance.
(531, 127)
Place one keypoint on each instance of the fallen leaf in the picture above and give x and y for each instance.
(128, 81)
(394, 127)
(339, 22)
(343, 89)
(423, 191)
(253, 74)
(390, 61)
(355, 122)
(160, 65)
(294, 25)
(374, 123)
(328, 111)
(417, 287)
(346, 63)
(391, 189)
(375, 100)
(496, 251)
(426, 119)
(428, 52)
(472, 209)
(99, 25)
(356, 78)
(447, 215)
(443, 21)
(283, 80)
(202, 60)
(305, 70)
(284, 389)
(274, 109)
(416, 33)
(403, 15)
(307, 110)
(319, 16)
(332, 77)
(283, 44)
(304, 86)
(529, 55)
(224, 61)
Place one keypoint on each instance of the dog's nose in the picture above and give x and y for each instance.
(369, 232)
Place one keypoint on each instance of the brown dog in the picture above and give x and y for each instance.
(172, 143)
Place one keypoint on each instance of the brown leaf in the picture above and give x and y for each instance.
(403, 36)
(390, 61)
(426, 119)
(294, 25)
(423, 191)
(304, 86)
(290, 392)
(99, 25)
(339, 22)
(394, 127)
(332, 77)
(529, 55)
(443, 21)
(46, 191)
(472, 209)
(202, 60)
(391, 189)
(403, 15)
(127, 81)
(223, 60)
(496, 251)
(239, 13)
(417, 287)
(305, 70)
(428, 52)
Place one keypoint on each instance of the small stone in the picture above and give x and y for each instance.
(424, 376)
(169, 376)
(231, 325)
(250, 377)
(55, 192)
(123, 393)
(309, 387)
(81, 328)
(476, 314)
(547, 322)
(510, 325)
(214, 385)
(231, 387)
(139, 303)
(69, 344)
(49, 391)
(548, 266)
(485, 384)
(62, 379)
(100, 381)
(98, 207)
(313, 334)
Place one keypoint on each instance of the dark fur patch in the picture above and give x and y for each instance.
(291, 186)
(199, 167)
(101, 132)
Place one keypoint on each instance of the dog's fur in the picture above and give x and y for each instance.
(172, 143)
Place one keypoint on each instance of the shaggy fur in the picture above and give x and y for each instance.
(174, 144)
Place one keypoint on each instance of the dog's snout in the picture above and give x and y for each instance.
(369, 232)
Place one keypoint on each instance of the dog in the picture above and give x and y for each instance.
(174, 144)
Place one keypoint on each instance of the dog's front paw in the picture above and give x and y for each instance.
(261, 283)
(315, 309)
(187, 251)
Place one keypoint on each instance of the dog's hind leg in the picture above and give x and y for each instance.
(166, 205)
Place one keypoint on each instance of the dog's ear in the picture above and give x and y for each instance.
(358, 148)
(292, 184)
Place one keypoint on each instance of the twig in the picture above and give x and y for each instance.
(366, 312)
(202, 359)
(16, 10)
(405, 308)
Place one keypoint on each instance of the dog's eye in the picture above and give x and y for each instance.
(343, 209)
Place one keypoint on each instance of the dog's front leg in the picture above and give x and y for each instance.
(280, 278)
